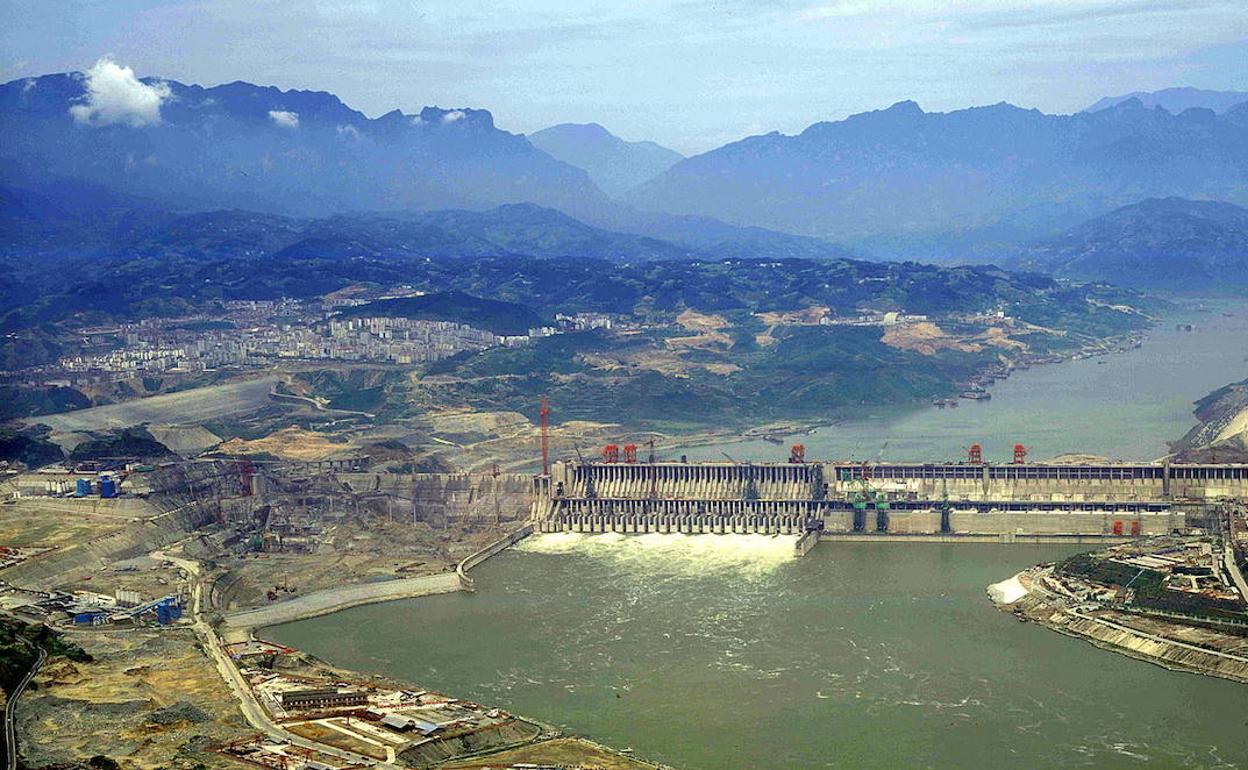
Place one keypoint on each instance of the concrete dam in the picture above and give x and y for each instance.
(998, 502)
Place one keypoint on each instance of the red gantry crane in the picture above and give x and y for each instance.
(544, 415)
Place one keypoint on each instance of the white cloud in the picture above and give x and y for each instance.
(115, 96)
(838, 10)
(284, 118)
(350, 131)
(453, 116)
(29, 84)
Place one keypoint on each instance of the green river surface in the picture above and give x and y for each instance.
(1123, 405)
(725, 652)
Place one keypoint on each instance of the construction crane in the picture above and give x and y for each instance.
(497, 510)
(590, 492)
(543, 413)
(246, 470)
(864, 499)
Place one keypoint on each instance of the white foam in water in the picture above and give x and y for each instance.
(674, 553)
(1007, 591)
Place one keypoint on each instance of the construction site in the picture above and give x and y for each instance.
(187, 560)
(137, 564)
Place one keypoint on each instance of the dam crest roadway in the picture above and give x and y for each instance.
(1061, 502)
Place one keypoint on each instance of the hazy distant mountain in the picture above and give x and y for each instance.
(614, 164)
(1175, 100)
(296, 153)
(516, 229)
(1237, 115)
(1169, 243)
(907, 174)
(293, 152)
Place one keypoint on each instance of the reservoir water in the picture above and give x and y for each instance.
(1123, 405)
(725, 652)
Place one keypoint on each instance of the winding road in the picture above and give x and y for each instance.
(10, 734)
(255, 714)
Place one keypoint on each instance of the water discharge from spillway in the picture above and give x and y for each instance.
(724, 651)
(673, 555)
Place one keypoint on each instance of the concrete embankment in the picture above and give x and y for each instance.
(1154, 649)
(485, 553)
(334, 599)
(806, 543)
(1022, 595)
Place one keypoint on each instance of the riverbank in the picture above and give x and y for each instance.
(335, 599)
(1033, 595)
(331, 600)
(548, 746)
(1128, 405)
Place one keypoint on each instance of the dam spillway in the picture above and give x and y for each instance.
(997, 501)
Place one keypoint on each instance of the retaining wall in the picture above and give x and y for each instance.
(485, 553)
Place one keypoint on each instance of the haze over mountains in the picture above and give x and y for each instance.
(980, 184)
(1176, 100)
(903, 172)
(615, 165)
(303, 154)
(291, 152)
(1169, 243)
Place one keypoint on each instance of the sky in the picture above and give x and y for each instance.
(690, 74)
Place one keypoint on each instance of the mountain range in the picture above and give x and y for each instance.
(613, 164)
(905, 174)
(292, 152)
(1168, 243)
(34, 224)
(116, 155)
(1176, 100)
(303, 154)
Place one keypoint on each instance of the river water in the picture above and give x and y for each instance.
(1123, 405)
(725, 652)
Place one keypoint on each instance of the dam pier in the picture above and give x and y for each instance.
(841, 500)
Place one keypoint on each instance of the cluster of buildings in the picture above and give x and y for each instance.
(356, 716)
(891, 318)
(388, 340)
(254, 333)
(153, 348)
(87, 608)
(1188, 567)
